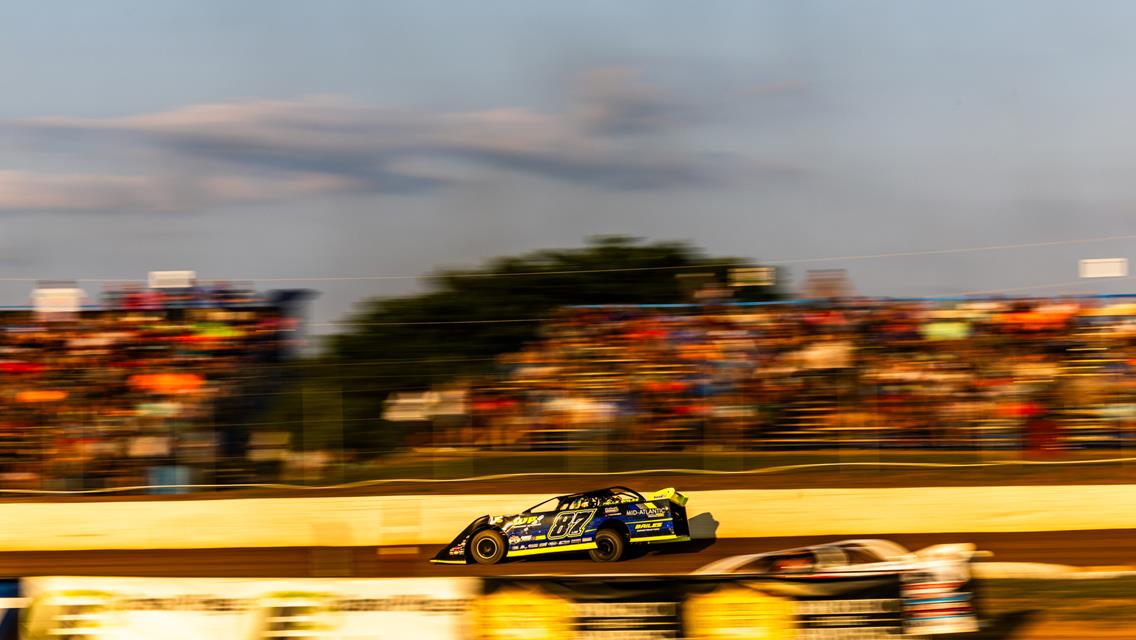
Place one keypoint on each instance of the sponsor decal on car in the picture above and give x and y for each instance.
(522, 522)
(648, 513)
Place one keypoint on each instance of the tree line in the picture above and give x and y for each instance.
(465, 319)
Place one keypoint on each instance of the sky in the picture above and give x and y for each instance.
(273, 141)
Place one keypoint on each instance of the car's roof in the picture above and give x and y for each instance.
(611, 489)
(885, 549)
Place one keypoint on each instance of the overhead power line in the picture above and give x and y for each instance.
(934, 252)
(1034, 287)
(774, 262)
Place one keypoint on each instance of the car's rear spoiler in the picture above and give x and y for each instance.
(670, 494)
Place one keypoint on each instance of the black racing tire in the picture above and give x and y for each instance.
(487, 547)
(610, 546)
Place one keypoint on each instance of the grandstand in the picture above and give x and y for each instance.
(1040, 375)
(161, 386)
(150, 386)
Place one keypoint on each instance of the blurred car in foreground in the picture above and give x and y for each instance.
(603, 522)
(938, 595)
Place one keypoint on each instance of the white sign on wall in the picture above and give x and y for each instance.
(172, 279)
(753, 276)
(1104, 268)
(57, 300)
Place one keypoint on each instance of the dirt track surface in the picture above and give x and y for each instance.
(1085, 548)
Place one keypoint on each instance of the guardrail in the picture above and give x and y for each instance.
(875, 465)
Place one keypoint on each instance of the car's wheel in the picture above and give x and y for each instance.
(487, 547)
(609, 546)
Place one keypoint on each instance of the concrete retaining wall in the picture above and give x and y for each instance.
(412, 520)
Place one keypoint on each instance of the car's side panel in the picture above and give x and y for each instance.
(662, 518)
(568, 530)
(649, 521)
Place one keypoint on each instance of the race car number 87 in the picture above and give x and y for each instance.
(570, 523)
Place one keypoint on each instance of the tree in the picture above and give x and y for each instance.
(468, 317)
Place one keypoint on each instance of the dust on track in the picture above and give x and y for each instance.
(1111, 547)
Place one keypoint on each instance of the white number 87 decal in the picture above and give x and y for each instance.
(570, 523)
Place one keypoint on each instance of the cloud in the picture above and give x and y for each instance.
(21, 190)
(782, 88)
(25, 191)
(614, 136)
(617, 102)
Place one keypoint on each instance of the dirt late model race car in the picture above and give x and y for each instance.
(937, 587)
(603, 522)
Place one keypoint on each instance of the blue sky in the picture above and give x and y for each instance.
(281, 139)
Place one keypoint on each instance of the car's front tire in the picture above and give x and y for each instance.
(487, 547)
(610, 546)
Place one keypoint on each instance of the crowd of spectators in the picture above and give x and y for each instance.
(157, 387)
(126, 392)
(1037, 374)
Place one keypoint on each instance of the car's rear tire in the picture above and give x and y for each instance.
(487, 547)
(610, 546)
